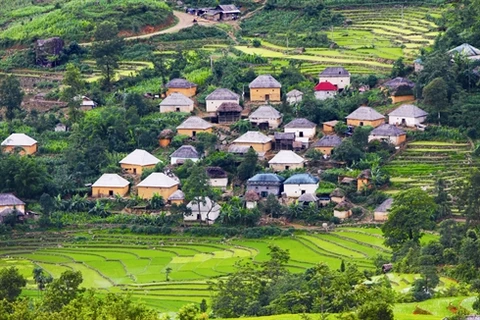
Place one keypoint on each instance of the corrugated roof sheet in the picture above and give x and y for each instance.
(334, 72)
(177, 99)
(140, 157)
(286, 157)
(387, 130)
(8, 199)
(194, 123)
(328, 141)
(300, 123)
(228, 8)
(111, 180)
(302, 178)
(180, 83)
(408, 111)
(19, 139)
(223, 94)
(265, 112)
(158, 180)
(187, 152)
(252, 137)
(265, 81)
(365, 113)
(384, 206)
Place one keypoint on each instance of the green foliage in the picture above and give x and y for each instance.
(11, 283)
(248, 166)
(374, 311)
(11, 96)
(62, 291)
(193, 33)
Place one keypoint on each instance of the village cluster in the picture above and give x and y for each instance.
(280, 149)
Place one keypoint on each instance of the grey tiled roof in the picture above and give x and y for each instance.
(302, 178)
(294, 93)
(253, 137)
(307, 197)
(195, 123)
(385, 206)
(265, 81)
(222, 94)
(266, 177)
(177, 99)
(466, 49)
(8, 199)
(408, 111)
(265, 112)
(300, 123)
(365, 113)
(180, 83)
(187, 152)
(328, 141)
(284, 136)
(387, 130)
(334, 72)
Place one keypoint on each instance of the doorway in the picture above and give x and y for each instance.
(110, 193)
(267, 97)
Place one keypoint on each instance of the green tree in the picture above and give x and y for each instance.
(197, 188)
(41, 278)
(62, 291)
(411, 212)
(188, 312)
(11, 283)
(11, 96)
(468, 195)
(73, 81)
(203, 306)
(248, 166)
(435, 95)
(398, 69)
(106, 49)
(376, 311)
(47, 203)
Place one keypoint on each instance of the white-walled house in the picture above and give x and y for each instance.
(407, 115)
(286, 160)
(389, 133)
(304, 129)
(205, 211)
(218, 178)
(294, 96)
(299, 184)
(266, 115)
(183, 154)
(176, 102)
(219, 96)
(338, 76)
(325, 90)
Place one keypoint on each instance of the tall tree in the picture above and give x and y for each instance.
(411, 212)
(11, 283)
(468, 197)
(11, 96)
(106, 49)
(435, 95)
(197, 187)
(248, 167)
(74, 82)
(63, 290)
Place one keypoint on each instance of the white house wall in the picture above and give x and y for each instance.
(174, 160)
(340, 82)
(164, 109)
(391, 139)
(219, 182)
(409, 121)
(295, 190)
(323, 95)
(212, 105)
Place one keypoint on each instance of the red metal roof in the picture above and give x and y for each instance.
(325, 86)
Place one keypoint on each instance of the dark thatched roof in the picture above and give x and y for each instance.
(229, 107)
(216, 172)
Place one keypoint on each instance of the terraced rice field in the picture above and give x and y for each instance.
(374, 38)
(423, 162)
(139, 263)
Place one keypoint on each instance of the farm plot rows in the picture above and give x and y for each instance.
(422, 163)
(139, 263)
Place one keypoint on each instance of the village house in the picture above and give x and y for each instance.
(329, 126)
(307, 198)
(217, 177)
(137, 161)
(407, 115)
(20, 142)
(183, 154)
(176, 102)
(229, 112)
(364, 179)
(219, 96)
(365, 116)
(223, 12)
(9, 201)
(251, 199)
(388, 133)
(400, 89)
(194, 125)
(257, 140)
(204, 210)
(265, 88)
(466, 50)
(177, 198)
(338, 76)
(286, 160)
(294, 96)
(182, 86)
(304, 130)
(157, 183)
(327, 143)
(337, 195)
(381, 212)
(264, 184)
(165, 137)
(86, 103)
(266, 117)
(325, 90)
(343, 210)
(109, 185)
(284, 140)
(299, 184)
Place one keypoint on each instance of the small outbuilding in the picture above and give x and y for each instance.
(194, 125)
(221, 95)
(182, 86)
(266, 117)
(157, 183)
(401, 89)
(299, 184)
(365, 116)
(251, 198)
(203, 210)
(307, 199)
(325, 90)
(337, 195)
(284, 140)
(257, 140)
(329, 126)
(294, 96)
(229, 112)
(286, 160)
(20, 142)
(338, 76)
(327, 143)
(137, 161)
(165, 137)
(265, 88)
(364, 179)
(177, 198)
(407, 115)
(183, 154)
(389, 133)
(110, 185)
(176, 102)
(343, 210)
(264, 184)
(217, 177)
(381, 212)
(304, 130)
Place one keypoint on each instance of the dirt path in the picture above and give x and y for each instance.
(185, 20)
